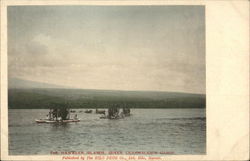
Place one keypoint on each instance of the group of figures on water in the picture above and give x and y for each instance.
(115, 113)
(112, 113)
(62, 115)
(59, 115)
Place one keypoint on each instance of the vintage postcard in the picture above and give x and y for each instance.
(124, 80)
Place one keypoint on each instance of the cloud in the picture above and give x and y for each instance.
(155, 48)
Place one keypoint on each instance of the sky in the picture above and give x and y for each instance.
(156, 48)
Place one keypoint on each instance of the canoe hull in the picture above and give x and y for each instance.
(54, 121)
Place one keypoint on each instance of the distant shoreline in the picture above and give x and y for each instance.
(91, 99)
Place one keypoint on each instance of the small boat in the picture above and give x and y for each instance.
(88, 111)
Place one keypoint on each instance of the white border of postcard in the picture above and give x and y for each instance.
(227, 76)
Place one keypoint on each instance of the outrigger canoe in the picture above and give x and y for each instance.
(56, 121)
(58, 115)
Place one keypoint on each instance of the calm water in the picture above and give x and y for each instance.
(181, 131)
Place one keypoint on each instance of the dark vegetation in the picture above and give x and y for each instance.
(38, 98)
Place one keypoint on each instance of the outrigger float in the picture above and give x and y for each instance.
(58, 116)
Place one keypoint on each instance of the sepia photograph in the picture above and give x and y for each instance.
(124, 80)
(103, 79)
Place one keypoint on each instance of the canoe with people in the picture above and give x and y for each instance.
(114, 113)
(59, 115)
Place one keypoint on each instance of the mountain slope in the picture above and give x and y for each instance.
(80, 98)
(20, 83)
